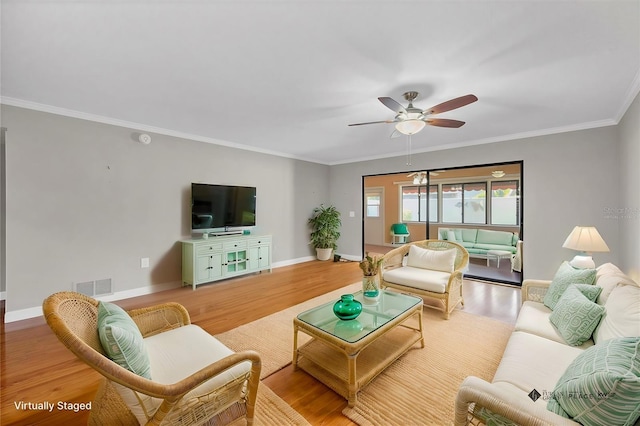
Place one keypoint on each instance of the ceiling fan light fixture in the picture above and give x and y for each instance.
(410, 127)
(497, 173)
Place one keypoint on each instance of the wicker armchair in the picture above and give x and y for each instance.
(73, 318)
(448, 295)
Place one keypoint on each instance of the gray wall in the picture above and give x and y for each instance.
(85, 201)
(627, 213)
(569, 180)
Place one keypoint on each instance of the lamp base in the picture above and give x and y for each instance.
(583, 262)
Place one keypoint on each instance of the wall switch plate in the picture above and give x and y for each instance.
(144, 262)
(352, 214)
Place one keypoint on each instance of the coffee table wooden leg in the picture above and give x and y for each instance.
(353, 390)
(295, 347)
(420, 327)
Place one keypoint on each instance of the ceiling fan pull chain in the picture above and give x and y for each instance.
(408, 150)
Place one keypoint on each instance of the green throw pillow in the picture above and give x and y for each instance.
(565, 276)
(121, 339)
(601, 386)
(576, 316)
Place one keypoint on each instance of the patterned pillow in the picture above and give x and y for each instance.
(601, 386)
(565, 276)
(121, 339)
(576, 315)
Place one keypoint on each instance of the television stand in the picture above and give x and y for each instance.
(227, 256)
(221, 233)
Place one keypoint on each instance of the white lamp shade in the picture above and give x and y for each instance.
(410, 127)
(585, 239)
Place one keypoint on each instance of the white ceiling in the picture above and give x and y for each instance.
(286, 77)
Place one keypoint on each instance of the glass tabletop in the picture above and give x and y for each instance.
(373, 316)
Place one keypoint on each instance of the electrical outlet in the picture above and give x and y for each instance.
(144, 262)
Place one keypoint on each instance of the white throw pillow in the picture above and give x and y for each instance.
(435, 260)
(622, 315)
(451, 236)
(609, 276)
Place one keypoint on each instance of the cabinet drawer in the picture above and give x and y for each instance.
(234, 245)
(204, 249)
(259, 241)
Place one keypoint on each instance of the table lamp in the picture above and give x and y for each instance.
(586, 240)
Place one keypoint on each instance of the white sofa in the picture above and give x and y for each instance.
(537, 356)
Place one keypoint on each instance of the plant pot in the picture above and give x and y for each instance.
(324, 253)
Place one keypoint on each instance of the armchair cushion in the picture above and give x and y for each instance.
(565, 276)
(437, 260)
(424, 279)
(576, 316)
(121, 339)
(175, 355)
(601, 385)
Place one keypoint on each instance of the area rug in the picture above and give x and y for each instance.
(420, 387)
(272, 336)
(272, 410)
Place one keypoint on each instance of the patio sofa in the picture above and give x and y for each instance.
(480, 241)
(578, 363)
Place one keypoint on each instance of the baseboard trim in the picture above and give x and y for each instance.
(23, 314)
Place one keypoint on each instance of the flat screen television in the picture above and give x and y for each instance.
(222, 206)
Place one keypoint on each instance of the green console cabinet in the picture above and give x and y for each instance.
(217, 258)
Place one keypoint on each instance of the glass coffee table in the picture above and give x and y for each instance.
(347, 355)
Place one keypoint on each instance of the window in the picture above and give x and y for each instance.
(505, 202)
(474, 209)
(464, 203)
(373, 205)
(452, 203)
(433, 203)
(414, 203)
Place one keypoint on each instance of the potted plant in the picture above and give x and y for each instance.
(371, 279)
(325, 230)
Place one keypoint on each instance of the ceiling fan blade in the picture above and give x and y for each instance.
(451, 104)
(392, 105)
(371, 122)
(395, 134)
(444, 122)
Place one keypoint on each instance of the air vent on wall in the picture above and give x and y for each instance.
(95, 288)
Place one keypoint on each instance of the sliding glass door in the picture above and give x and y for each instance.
(484, 201)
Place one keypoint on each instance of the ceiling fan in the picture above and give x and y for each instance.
(421, 177)
(411, 120)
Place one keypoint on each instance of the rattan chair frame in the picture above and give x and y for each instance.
(452, 295)
(73, 319)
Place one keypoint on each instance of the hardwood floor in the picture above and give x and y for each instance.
(35, 367)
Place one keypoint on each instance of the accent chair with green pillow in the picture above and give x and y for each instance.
(555, 353)
(195, 379)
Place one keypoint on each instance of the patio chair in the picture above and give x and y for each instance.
(195, 379)
(399, 233)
